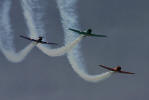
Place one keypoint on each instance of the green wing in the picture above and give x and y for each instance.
(96, 35)
(75, 30)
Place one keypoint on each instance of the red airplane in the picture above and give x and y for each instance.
(116, 69)
(39, 40)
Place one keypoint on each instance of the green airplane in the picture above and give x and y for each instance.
(87, 33)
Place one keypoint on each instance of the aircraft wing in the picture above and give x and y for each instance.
(126, 72)
(86, 34)
(96, 35)
(74, 30)
(108, 68)
(28, 38)
(42, 42)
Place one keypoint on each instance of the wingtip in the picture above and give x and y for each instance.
(131, 73)
(56, 44)
(105, 36)
(102, 36)
(101, 66)
(69, 28)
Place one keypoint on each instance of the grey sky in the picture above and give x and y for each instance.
(41, 77)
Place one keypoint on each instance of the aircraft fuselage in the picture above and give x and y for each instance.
(118, 68)
(89, 31)
(39, 39)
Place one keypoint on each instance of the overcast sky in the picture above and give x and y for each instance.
(40, 77)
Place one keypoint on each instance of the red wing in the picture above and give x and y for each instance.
(28, 38)
(107, 67)
(48, 43)
(126, 72)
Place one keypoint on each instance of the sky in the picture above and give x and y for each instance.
(39, 76)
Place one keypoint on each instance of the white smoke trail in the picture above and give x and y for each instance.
(60, 51)
(33, 15)
(18, 57)
(69, 19)
(6, 37)
(33, 18)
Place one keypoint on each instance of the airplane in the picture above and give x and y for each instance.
(39, 40)
(87, 33)
(116, 69)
